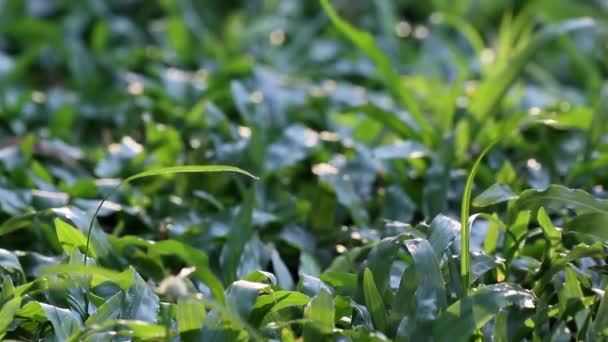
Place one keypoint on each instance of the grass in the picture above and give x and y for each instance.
(439, 176)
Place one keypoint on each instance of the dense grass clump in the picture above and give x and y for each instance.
(303, 170)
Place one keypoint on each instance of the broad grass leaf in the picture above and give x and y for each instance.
(99, 274)
(110, 310)
(578, 118)
(472, 312)
(552, 235)
(426, 262)
(275, 301)
(242, 295)
(65, 322)
(70, 237)
(10, 261)
(261, 277)
(590, 223)
(556, 197)
(570, 294)
(403, 302)
(374, 302)
(311, 286)
(98, 238)
(291, 298)
(380, 259)
(7, 314)
(430, 294)
(495, 194)
(481, 263)
(344, 284)
(443, 232)
(320, 313)
(141, 303)
(190, 314)
(284, 278)
(8, 288)
(278, 300)
(549, 229)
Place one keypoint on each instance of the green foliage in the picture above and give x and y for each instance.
(428, 171)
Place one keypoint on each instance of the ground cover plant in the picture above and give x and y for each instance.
(303, 170)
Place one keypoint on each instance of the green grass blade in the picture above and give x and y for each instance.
(465, 261)
(69, 237)
(109, 310)
(188, 169)
(492, 90)
(98, 274)
(7, 313)
(374, 302)
(558, 196)
(320, 313)
(364, 41)
(158, 172)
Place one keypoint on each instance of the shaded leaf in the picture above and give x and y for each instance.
(320, 312)
(373, 301)
(470, 313)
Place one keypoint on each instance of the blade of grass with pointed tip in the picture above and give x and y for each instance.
(69, 237)
(158, 172)
(465, 262)
(320, 313)
(492, 90)
(98, 274)
(108, 311)
(364, 41)
(374, 302)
